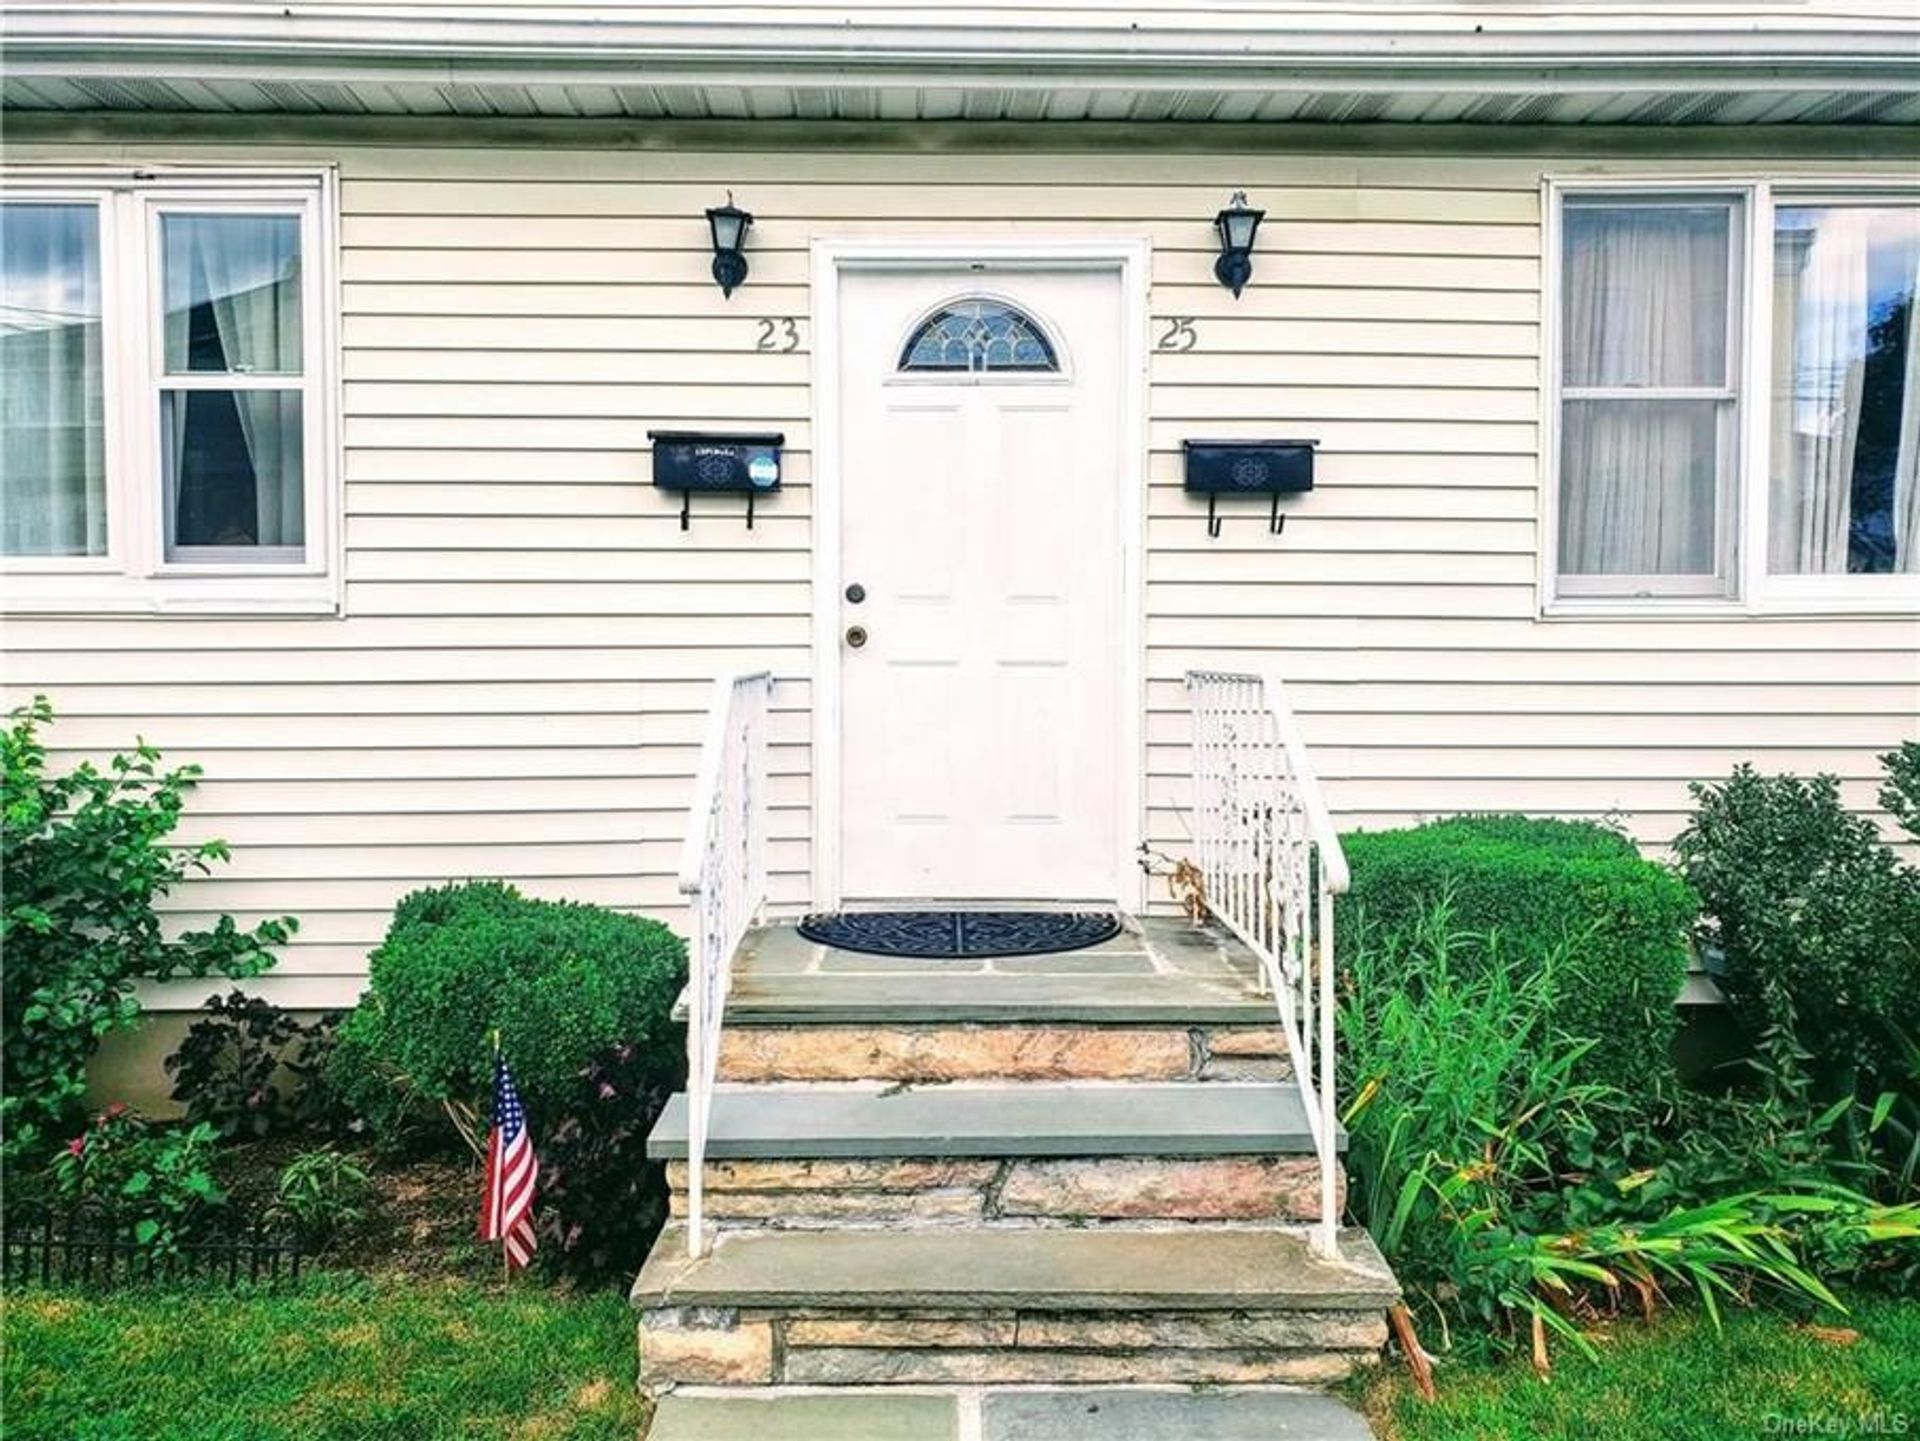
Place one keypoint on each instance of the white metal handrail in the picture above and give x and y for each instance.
(1271, 864)
(723, 873)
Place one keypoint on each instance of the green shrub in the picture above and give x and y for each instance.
(1901, 793)
(1507, 1193)
(86, 862)
(561, 982)
(438, 905)
(1541, 887)
(582, 998)
(1818, 924)
(1816, 918)
(1539, 833)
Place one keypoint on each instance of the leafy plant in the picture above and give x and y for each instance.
(561, 982)
(1520, 889)
(84, 863)
(251, 1069)
(1715, 1249)
(1460, 1097)
(321, 1192)
(1509, 1193)
(158, 1177)
(1774, 1132)
(1818, 922)
(601, 1200)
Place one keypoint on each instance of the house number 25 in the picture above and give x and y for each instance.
(780, 335)
(1181, 335)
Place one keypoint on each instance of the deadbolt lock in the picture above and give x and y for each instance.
(856, 636)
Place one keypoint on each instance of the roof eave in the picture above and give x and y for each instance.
(381, 42)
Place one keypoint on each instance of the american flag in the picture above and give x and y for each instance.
(506, 1209)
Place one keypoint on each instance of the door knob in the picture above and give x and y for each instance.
(856, 636)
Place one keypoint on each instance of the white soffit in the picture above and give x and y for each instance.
(1759, 62)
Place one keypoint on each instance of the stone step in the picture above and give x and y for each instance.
(1093, 1270)
(817, 1157)
(938, 1052)
(1156, 972)
(1200, 1305)
(1133, 1413)
(1162, 1001)
(922, 995)
(986, 1191)
(1127, 1119)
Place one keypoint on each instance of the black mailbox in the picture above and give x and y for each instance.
(1271, 468)
(688, 460)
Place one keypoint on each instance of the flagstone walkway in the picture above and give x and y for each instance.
(1006, 1414)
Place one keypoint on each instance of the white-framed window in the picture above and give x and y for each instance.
(1733, 396)
(167, 346)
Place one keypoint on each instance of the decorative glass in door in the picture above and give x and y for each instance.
(978, 335)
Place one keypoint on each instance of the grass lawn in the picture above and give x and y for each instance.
(337, 1357)
(1680, 1380)
(342, 1357)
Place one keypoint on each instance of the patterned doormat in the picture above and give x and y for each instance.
(961, 933)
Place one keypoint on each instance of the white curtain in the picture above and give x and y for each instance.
(246, 270)
(52, 440)
(1641, 478)
(1841, 276)
(1906, 474)
(1821, 305)
(1645, 308)
(270, 420)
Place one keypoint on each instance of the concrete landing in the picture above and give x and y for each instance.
(1140, 1119)
(968, 1270)
(785, 1415)
(1156, 971)
(1008, 1414)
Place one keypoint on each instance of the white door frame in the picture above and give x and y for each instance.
(833, 258)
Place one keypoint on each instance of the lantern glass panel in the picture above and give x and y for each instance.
(1240, 226)
(728, 226)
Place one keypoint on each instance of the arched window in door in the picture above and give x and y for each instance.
(978, 335)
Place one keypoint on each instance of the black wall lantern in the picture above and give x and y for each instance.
(729, 223)
(1237, 225)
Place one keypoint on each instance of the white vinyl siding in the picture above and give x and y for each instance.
(516, 686)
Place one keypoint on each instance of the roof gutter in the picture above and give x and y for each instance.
(1445, 53)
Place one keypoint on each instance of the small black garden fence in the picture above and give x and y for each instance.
(97, 1248)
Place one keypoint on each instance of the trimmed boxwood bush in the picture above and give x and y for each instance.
(1542, 885)
(563, 982)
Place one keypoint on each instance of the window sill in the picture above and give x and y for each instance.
(1776, 608)
(1642, 607)
(18, 599)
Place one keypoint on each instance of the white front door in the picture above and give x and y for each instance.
(980, 515)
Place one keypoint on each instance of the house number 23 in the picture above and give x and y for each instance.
(1180, 335)
(778, 334)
